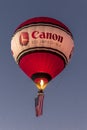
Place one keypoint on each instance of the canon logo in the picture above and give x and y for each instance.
(47, 35)
(24, 37)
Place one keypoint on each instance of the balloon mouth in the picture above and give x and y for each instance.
(41, 80)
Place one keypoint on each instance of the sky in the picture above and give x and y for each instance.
(65, 103)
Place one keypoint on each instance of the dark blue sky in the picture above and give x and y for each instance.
(65, 105)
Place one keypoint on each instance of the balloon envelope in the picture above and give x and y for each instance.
(42, 47)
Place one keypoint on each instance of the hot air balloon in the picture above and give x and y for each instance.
(42, 47)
